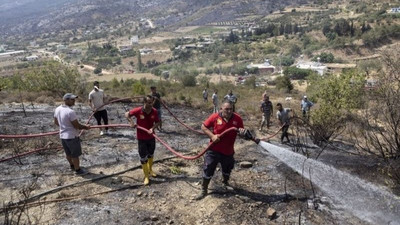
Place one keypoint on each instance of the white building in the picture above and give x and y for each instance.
(265, 67)
(395, 10)
(135, 40)
(314, 66)
(32, 58)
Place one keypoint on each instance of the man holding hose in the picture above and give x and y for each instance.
(146, 117)
(222, 150)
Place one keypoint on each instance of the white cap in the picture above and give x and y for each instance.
(305, 96)
(69, 96)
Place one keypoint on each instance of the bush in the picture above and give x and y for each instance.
(296, 73)
(284, 83)
(188, 80)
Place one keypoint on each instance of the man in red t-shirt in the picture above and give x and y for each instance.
(222, 150)
(146, 117)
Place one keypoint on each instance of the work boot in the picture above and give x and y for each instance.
(225, 181)
(150, 164)
(145, 168)
(204, 188)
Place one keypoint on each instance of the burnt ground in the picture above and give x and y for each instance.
(120, 198)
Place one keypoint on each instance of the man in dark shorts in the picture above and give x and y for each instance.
(146, 117)
(222, 150)
(66, 119)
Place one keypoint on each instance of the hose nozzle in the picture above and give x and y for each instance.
(249, 136)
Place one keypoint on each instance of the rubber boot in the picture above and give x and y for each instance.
(150, 164)
(145, 168)
(204, 189)
(225, 181)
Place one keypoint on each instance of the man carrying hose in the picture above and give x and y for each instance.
(66, 119)
(146, 117)
(221, 151)
(283, 116)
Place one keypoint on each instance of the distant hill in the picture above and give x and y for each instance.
(38, 16)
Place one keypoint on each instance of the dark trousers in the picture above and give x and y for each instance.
(211, 160)
(146, 149)
(101, 115)
(285, 132)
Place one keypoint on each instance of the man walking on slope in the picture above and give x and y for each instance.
(146, 117)
(267, 109)
(305, 107)
(157, 104)
(97, 99)
(214, 98)
(222, 150)
(283, 117)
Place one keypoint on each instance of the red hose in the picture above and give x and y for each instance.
(28, 135)
(29, 152)
(183, 156)
(196, 131)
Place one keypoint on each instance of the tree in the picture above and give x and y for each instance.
(283, 82)
(379, 124)
(232, 38)
(97, 70)
(324, 57)
(337, 96)
(139, 64)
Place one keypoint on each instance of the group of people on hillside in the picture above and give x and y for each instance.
(266, 108)
(148, 117)
(229, 97)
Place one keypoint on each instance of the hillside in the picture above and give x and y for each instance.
(37, 17)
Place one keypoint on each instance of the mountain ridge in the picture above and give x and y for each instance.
(51, 16)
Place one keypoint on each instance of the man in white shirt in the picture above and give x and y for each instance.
(231, 98)
(66, 119)
(97, 99)
(284, 119)
(214, 98)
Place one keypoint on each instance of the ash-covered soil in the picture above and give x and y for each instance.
(112, 193)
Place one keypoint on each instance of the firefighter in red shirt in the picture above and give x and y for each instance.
(146, 117)
(222, 150)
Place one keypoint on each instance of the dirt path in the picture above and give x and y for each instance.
(266, 184)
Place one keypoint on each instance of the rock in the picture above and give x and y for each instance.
(271, 213)
(154, 218)
(245, 164)
(139, 193)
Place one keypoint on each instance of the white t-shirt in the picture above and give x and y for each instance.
(283, 115)
(215, 99)
(97, 98)
(65, 115)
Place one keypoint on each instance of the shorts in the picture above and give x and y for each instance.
(146, 149)
(159, 113)
(72, 147)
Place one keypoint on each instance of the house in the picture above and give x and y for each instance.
(395, 10)
(264, 68)
(135, 40)
(32, 58)
(61, 47)
(145, 51)
(314, 66)
(125, 48)
(75, 51)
